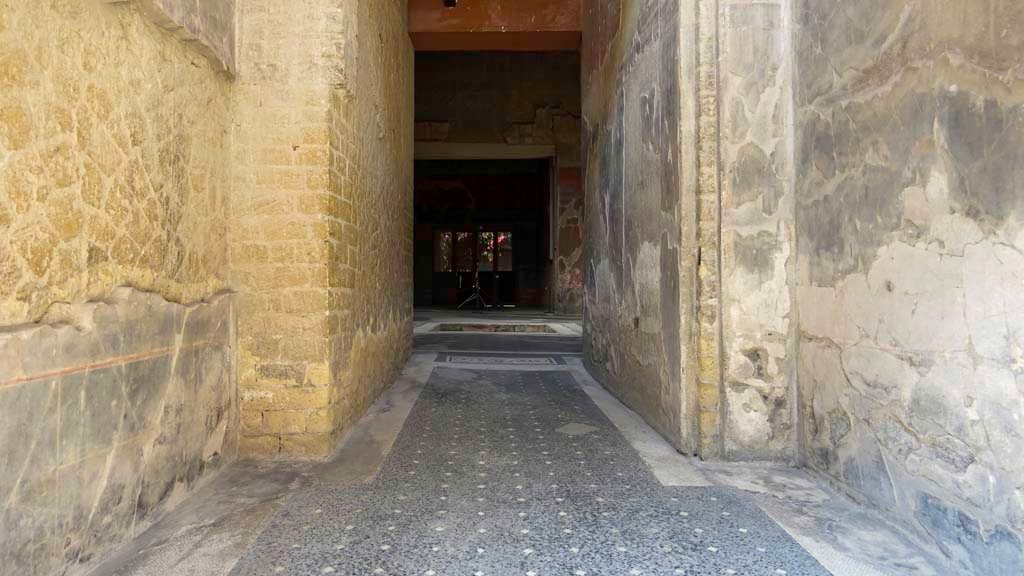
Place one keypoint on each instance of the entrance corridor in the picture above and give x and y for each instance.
(496, 454)
(511, 287)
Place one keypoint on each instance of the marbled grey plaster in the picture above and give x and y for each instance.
(104, 425)
(910, 211)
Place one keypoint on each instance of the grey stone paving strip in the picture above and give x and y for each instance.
(670, 467)
(208, 534)
(502, 353)
(550, 328)
(362, 451)
(212, 529)
(519, 472)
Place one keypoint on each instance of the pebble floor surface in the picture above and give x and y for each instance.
(516, 472)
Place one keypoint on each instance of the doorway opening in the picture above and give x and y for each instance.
(498, 184)
(482, 235)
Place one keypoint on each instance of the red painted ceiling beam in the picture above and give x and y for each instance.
(534, 25)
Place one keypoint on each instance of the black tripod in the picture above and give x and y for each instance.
(476, 296)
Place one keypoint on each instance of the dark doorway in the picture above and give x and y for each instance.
(482, 223)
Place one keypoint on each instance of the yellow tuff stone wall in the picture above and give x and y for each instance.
(321, 218)
(371, 232)
(279, 232)
(117, 389)
(114, 168)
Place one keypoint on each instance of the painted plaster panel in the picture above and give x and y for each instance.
(108, 423)
(758, 234)
(569, 247)
(910, 211)
(633, 319)
(495, 25)
(495, 16)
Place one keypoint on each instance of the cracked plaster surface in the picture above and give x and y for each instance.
(108, 423)
(911, 308)
(758, 230)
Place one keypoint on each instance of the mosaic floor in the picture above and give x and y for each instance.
(495, 343)
(517, 472)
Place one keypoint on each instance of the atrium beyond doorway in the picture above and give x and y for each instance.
(482, 233)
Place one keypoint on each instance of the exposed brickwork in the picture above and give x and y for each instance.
(320, 236)
(280, 229)
(371, 215)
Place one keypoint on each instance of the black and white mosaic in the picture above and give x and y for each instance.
(508, 359)
(497, 343)
(518, 473)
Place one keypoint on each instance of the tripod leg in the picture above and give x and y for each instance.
(467, 301)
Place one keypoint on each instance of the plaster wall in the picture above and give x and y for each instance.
(910, 219)
(110, 173)
(208, 26)
(115, 401)
(637, 323)
(758, 235)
